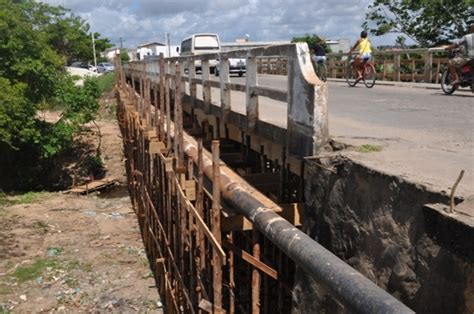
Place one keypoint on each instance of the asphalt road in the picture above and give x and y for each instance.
(425, 136)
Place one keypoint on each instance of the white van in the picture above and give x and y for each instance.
(201, 44)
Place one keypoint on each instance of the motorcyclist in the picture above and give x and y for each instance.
(466, 55)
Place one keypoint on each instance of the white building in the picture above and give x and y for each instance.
(154, 49)
(339, 45)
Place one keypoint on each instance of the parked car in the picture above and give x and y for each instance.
(236, 66)
(105, 67)
(84, 65)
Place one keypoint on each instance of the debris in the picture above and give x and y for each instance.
(159, 304)
(115, 215)
(53, 251)
(23, 297)
(90, 213)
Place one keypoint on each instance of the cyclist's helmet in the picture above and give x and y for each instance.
(363, 34)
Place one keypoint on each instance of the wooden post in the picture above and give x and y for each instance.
(251, 96)
(231, 277)
(255, 274)
(216, 224)
(413, 70)
(200, 207)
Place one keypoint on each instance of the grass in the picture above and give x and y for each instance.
(106, 82)
(4, 310)
(25, 273)
(368, 148)
(26, 198)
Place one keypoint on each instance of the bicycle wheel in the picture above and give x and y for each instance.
(369, 75)
(351, 76)
(322, 71)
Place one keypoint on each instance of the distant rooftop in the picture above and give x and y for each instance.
(154, 43)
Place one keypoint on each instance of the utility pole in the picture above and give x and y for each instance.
(93, 49)
(168, 43)
(121, 43)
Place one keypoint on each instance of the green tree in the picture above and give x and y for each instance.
(32, 77)
(427, 22)
(67, 34)
(124, 57)
(311, 40)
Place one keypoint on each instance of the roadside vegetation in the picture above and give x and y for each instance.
(369, 148)
(37, 42)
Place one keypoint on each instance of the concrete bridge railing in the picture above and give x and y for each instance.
(407, 65)
(307, 115)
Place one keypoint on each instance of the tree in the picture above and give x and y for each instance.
(67, 34)
(32, 76)
(427, 22)
(311, 40)
(124, 57)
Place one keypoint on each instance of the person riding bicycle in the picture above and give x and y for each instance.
(467, 54)
(365, 53)
(319, 52)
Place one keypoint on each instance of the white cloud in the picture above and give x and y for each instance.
(138, 21)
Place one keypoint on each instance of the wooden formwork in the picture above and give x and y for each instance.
(183, 224)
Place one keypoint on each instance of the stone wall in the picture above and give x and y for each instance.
(377, 224)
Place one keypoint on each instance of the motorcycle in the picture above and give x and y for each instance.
(465, 75)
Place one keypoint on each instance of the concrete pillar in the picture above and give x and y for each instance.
(307, 123)
(251, 103)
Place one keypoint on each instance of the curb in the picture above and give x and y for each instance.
(402, 84)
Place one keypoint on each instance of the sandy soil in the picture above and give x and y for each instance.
(70, 253)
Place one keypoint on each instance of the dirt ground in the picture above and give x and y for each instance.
(73, 253)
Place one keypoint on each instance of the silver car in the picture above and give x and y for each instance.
(105, 67)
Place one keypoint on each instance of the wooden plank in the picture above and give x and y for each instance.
(235, 223)
(215, 244)
(256, 280)
(251, 260)
(292, 213)
(190, 189)
(93, 186)
(156, 147)
(208, 307)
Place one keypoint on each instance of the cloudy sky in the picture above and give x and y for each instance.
(140, 21)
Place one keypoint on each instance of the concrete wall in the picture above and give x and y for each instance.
(377, 223)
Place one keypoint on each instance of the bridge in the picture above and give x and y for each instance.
(232, 228)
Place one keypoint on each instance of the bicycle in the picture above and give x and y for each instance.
(368, 75)
(321, 70)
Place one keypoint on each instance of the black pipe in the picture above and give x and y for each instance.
(353, 289)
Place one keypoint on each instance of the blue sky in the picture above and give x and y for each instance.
(139, 21)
